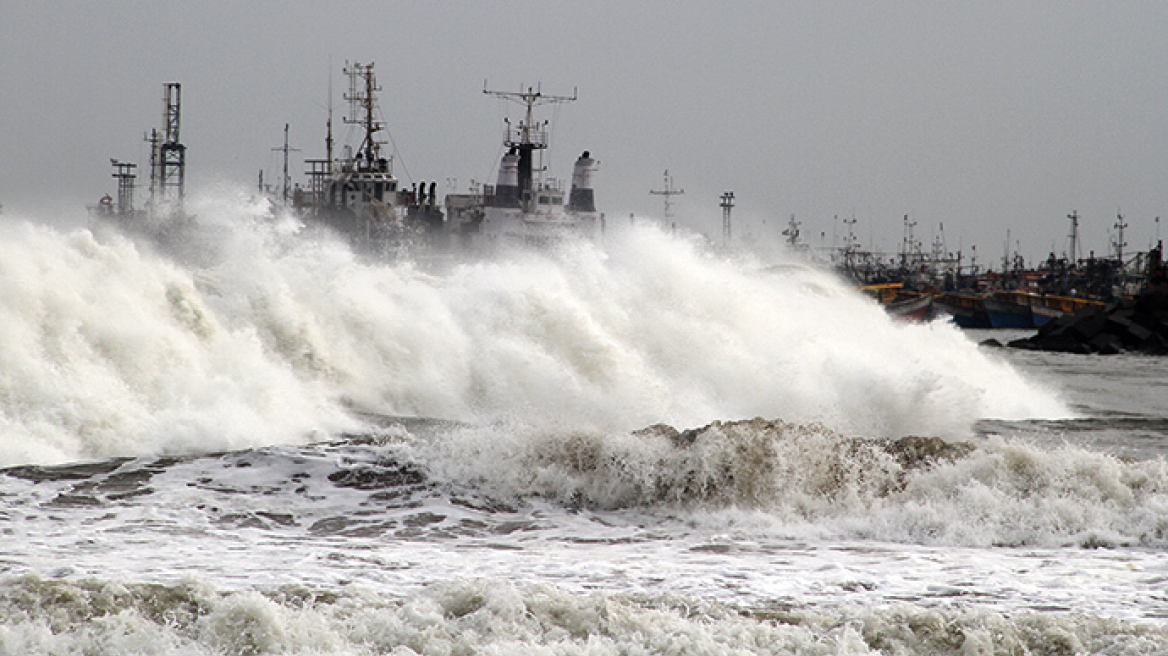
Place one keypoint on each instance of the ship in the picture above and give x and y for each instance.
(357, 194)
(525, 207)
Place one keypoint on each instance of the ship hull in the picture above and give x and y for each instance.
(967, 310)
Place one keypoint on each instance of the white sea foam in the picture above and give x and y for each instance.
(251, 335)
(761, 478)
(492, 617)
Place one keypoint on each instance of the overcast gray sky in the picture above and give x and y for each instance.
(981, 116)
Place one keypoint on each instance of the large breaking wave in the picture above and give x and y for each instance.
(254, 333)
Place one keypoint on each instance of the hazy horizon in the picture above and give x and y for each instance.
(990, 120)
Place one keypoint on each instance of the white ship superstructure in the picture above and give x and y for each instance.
(525, 207)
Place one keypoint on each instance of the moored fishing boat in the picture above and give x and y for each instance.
(920, 308)
(1009, 310)
(1045, 308)
(902, 303)
(968, 310)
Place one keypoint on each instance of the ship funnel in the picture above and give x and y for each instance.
(507, 190)
(581, 198)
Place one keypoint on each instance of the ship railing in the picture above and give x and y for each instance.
(520, 135)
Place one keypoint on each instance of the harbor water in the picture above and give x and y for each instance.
(251, 441)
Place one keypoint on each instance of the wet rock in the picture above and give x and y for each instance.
(73, 501)
(1135, 326)
(914, 452)
(377, 478)
(71, 472)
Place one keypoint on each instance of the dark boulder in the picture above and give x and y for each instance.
(1139, 325)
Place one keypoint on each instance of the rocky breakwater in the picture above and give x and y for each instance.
(1139, 325)
(1132, 326)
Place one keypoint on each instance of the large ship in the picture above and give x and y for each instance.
(357, 193)
(525, 207)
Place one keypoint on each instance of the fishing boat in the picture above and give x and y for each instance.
(1009, 309)
(968, 310)
(916, 309)
(524, 207)
(904, 304)
(358, 195)
(1046, 308)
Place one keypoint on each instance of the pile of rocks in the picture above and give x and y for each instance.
(1135, 326)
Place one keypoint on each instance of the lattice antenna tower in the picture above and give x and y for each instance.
(170, 163)
(125, 176)
(667, 191)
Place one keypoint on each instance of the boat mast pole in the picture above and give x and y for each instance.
(287, 179)
(1119, 244)
(1074, 217)
(328, 139)
(667, 191)
(727, 204)
(361, 108)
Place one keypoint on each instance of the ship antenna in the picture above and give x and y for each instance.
(727, 204)
(530, 99)
(1119, 244)
(328, 140)
(286, 149)
(361, 107)
(667, 191)
(1074, 217)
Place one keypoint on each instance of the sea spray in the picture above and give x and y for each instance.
(260, 333)
(106, 350)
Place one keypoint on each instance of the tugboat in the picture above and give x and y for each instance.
(524, 208)
(357, 194)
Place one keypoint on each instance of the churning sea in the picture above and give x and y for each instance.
(253, 442)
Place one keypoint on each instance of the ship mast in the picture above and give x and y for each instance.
(727, 204)
(1074, 217)
(667, 191)
(287, 181)
(125, 177)
(362, 103)
(529, 136)
(1120, 243)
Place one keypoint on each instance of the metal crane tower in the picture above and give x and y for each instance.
(168, 155)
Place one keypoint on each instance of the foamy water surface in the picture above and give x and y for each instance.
(254, 442)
